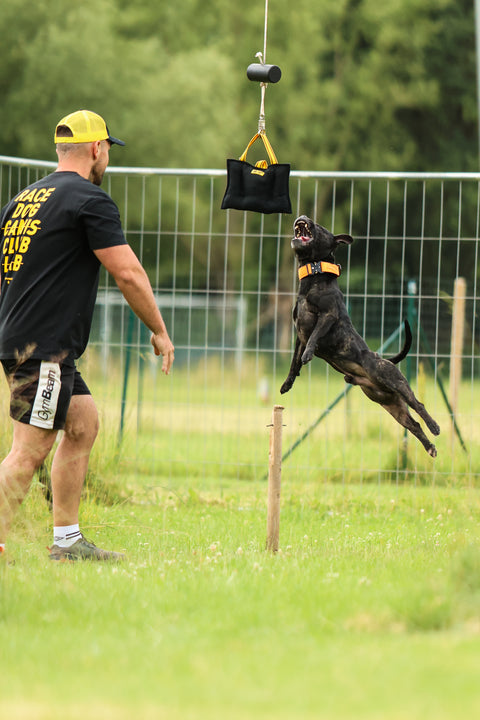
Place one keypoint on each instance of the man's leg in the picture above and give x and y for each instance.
(30, 447)
(69, 469)
(70, 462)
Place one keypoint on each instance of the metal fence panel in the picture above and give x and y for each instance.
(226, 284)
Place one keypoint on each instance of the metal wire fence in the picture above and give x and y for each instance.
(226, 284)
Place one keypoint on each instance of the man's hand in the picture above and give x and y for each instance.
(162, 345)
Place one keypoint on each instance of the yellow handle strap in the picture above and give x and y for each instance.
(271, 155)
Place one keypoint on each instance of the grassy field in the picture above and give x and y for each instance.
(371, 608)
(208, 421)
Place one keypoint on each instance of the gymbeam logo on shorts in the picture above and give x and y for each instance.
(46, 399)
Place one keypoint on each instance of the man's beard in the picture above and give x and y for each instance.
(96, 175)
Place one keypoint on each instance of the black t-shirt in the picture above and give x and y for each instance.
(49, 273)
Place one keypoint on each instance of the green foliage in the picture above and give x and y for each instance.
(366, 85)
(171, 108)
(65, 59)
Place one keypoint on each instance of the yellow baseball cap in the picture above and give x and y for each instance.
(84, 126)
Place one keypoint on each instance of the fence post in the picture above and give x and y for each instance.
(411, 317)
(456, 345)
(274, 480)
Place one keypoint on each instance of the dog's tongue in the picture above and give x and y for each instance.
(305, 239)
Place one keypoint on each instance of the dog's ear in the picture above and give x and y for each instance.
(343, 239)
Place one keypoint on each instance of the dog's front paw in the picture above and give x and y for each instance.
(307, 356)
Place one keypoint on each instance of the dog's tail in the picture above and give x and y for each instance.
(406, 347)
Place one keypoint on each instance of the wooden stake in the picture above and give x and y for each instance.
(274, 480)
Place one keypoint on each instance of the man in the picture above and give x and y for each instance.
(54, 236)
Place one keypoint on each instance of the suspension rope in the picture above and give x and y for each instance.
(263, 86)
(265, 33)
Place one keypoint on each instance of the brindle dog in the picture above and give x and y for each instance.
(324, 329)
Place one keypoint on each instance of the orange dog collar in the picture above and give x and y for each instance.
(318, 267)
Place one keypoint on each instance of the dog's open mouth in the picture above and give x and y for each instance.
(302, 231)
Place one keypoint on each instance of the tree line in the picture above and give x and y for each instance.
(366, 85)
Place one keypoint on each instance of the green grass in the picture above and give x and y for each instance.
(208, 421)
(369, 610)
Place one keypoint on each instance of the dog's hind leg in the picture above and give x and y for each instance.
(400, 412)
(387, 377)
(407, 393)
(295, 366)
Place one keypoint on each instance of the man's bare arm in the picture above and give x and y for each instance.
(131, 278)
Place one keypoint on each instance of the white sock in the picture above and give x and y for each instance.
(66, 535)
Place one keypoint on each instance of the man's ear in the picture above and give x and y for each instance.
(342, 238)
(96, 149)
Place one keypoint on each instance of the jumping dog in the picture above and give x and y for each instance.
(325, 329)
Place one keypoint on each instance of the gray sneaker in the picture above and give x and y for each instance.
(83, 550)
